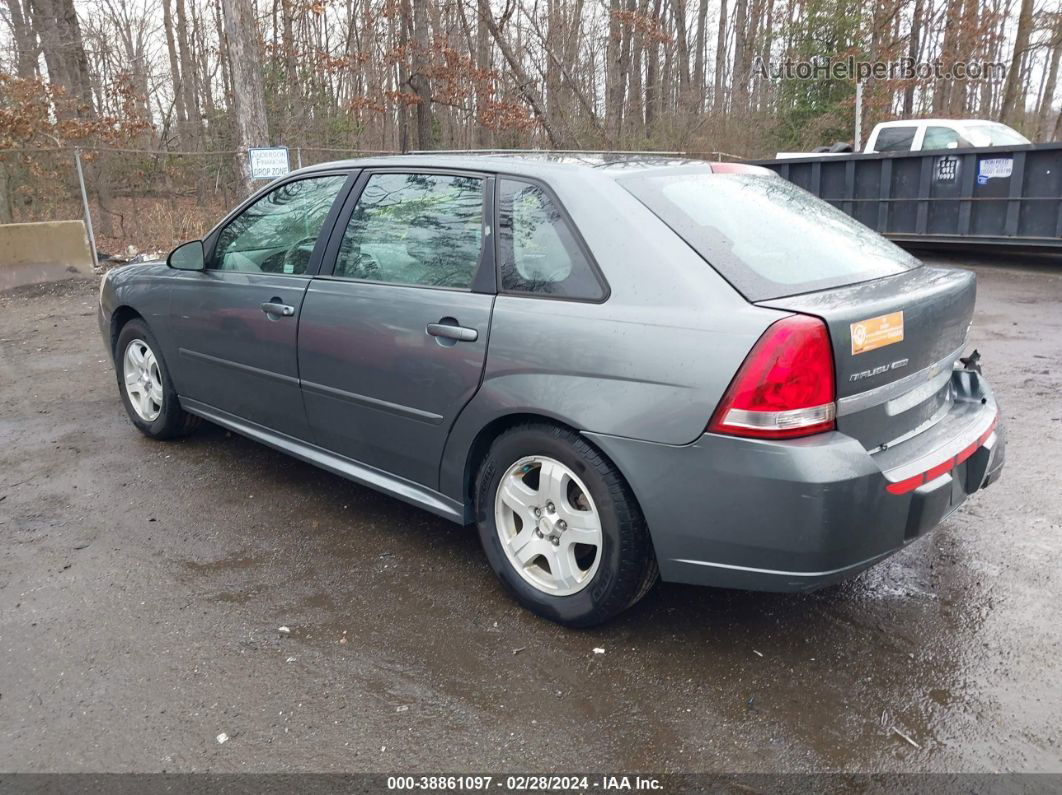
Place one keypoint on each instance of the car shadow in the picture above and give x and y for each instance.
(668, 610)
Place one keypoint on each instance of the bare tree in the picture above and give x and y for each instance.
(248, 96)
(419, 79)
(26, 48)
(1011, 109)
(1047, 96)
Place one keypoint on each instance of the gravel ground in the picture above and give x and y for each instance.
(143, 585)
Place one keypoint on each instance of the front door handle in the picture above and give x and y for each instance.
(452, 332)
(276, 309)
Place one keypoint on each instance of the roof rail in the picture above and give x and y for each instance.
(540, 152)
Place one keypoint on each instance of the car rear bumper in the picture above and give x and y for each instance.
(800, 514)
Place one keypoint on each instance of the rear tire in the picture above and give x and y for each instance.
(145, 386)
(565, 493)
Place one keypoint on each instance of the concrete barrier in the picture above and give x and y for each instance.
(43, 252)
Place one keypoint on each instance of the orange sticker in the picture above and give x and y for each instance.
(869, 335)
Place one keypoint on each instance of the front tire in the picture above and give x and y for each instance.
(560, 527)
(145, 386)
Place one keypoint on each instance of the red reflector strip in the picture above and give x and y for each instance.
(969, 451)
(905, 485)
(939, 470)
(912, 483)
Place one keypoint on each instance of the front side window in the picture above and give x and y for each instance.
(537, 249)
(277, 233)
(418, 229)
(940, 138)
(895, 139)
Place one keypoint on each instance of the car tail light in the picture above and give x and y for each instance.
(785, 387)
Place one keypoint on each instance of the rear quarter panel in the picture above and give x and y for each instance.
(649, 363)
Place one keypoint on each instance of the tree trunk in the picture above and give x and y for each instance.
(968, 39)
(418, 78)
(614, 87)
(740, 85)
(26, 50)
(683, 43)
(624, 65)
(248, 97)
(483, 94)
(912, 53)
(193, 114)
(1047, 100)
(64, 53)
(949, 54)
(700, 54)
(718, 97)
(652, 88)
(292, 99)
(1013, 106)
(175, 73)
(45, 22)
(553, 35)
(74, 44)
(636, 113)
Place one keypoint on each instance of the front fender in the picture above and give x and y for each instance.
(141, 288)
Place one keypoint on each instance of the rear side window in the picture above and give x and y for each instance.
(766, 236)
(940, 138)
(417, 229)
(994, 134)
(895, 139)
(537, 249)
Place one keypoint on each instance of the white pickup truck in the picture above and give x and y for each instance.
(926, 134)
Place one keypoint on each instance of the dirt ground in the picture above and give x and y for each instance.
(143, 585)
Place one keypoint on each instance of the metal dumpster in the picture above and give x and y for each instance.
(991, 196)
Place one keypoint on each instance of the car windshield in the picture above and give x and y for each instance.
(766, 236)
(992, 134)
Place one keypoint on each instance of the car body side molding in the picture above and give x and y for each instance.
(374, 403)
(243, 368)
(413, 493)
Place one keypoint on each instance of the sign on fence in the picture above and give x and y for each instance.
(268, 162)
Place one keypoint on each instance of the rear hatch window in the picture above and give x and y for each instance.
(766, 236)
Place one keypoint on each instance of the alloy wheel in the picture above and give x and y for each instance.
(143, 380)
(548, 525)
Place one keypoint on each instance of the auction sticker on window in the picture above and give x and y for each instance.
(877, 332)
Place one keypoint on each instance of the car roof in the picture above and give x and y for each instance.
(908, 122)
(542, 163)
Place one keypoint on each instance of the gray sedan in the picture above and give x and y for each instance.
(619, 369)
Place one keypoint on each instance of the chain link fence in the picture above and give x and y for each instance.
(140, 202)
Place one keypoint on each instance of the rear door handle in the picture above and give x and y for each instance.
(276, 309)
(459, 333)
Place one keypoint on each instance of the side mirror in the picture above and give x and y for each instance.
(188, 256)
(953, 145)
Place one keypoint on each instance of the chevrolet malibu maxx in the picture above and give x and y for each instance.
(619, 369)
